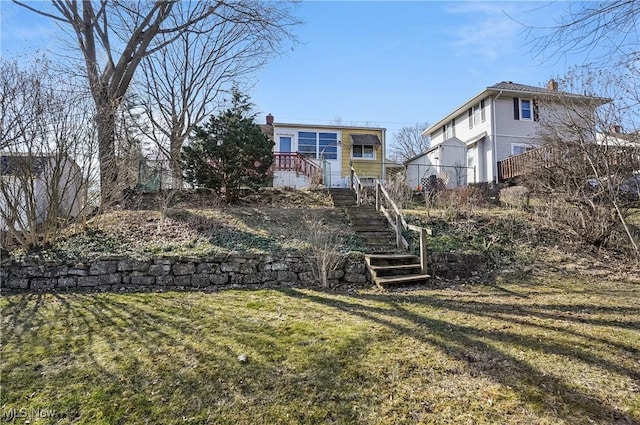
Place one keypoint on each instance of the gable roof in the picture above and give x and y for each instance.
(514, 89)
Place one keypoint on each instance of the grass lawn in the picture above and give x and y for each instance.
(554, 349)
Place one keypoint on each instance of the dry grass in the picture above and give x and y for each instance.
(548, 349)
(551, 337)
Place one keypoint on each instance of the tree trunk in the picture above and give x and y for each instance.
(106, 124)
(174, 153)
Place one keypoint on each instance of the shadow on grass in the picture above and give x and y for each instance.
(477, 348)
(169, 358)
(173, 357)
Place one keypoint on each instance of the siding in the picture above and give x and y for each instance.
(363, 167)
(461, 127)
(509, 130)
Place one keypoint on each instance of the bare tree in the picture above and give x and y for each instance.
(47, 153)
(325, 253)
(586, 162)
(115, 37)
(409, 142)
(604, 31)
(600, 148)
(183, 83)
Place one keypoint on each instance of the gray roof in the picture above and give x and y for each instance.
(511, 86)
(514, 89)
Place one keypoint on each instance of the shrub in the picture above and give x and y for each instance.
(515, 197)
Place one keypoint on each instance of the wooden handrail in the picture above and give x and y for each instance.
(397, 221)
(357, 186)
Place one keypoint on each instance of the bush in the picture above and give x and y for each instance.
(229, 152)
(515, 197)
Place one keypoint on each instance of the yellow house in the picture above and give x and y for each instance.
(304, 152)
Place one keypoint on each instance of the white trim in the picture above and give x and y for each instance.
(531, 112)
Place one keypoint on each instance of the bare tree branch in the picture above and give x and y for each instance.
(114, 37)
(408, 142)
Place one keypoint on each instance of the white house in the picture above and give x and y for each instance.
(325, 153)
(34, 184)
(500, 121)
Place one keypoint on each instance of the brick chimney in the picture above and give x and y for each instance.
(269, 119)
(552, 85)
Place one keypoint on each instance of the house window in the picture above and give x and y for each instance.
(285, 144)
(476, 114)
(524, 109)
(307, 144)
(518, 148)
(328, 145)
(448, 130)
(318, 145)
(363, 152)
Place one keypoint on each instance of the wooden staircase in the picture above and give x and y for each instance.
(395, 269)
(386, 264)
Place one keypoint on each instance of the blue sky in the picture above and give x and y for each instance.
(380, 63)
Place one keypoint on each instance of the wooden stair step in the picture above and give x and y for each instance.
(366, 227)
(368, 220)
(390, 256)
(398, 267)
(387, 280)
(376, 234)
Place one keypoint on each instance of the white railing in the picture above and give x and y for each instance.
(358, 187)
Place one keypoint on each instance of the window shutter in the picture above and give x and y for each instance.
(470, 113)
(536, 115)
(516, 108)
(482, 115)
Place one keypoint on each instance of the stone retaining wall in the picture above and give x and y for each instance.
(123, 274)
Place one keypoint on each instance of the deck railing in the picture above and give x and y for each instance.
(518, 165)
(295, 161)
(547, 157)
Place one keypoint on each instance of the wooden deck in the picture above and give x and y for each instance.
(295, 161)
(545, 157)
(518, 165)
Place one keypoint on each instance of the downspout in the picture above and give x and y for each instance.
(384, 156)
(494, 137)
